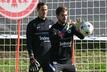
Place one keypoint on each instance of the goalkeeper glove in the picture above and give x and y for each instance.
(34, 65)
(78, 23)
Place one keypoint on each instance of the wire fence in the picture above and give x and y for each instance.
(90, 53)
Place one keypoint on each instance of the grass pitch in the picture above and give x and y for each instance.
(86, 61)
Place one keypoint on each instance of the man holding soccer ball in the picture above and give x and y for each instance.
(61, 35)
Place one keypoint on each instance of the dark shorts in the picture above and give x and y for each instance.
(67, 67)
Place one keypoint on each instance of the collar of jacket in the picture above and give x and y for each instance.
(41, 19)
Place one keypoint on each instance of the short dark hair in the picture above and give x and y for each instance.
(61, 9)
(40, 4)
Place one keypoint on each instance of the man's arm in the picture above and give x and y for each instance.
(34, 64)
(29, 33)
(75, 28)
(77, 32)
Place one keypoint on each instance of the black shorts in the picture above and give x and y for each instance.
(57, 67)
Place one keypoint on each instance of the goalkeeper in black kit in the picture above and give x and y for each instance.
(38, 43)
(61, 35)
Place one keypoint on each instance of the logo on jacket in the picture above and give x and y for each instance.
(50, 26)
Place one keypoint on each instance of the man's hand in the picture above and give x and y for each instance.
(34, 65)
(71, 22)
(78, 22)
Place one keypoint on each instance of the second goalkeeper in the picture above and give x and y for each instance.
(61, 36)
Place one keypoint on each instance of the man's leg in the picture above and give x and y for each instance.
(47, 68)
(53, 67)
(69, 68)
(63, 67)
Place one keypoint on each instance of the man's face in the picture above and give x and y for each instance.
(42, 12)
(62, 17)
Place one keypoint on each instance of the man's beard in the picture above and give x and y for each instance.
(62, 22)
(43, 17)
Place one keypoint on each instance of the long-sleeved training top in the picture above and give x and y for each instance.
(38, 37)
(61, 38)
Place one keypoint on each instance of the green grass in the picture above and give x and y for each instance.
(91, 61)
(86, 61)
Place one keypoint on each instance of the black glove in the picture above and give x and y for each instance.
(34, 65)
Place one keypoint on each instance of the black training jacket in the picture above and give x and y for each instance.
(61, 45)
(37, 36)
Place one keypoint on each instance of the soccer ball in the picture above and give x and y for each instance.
(86, 28)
